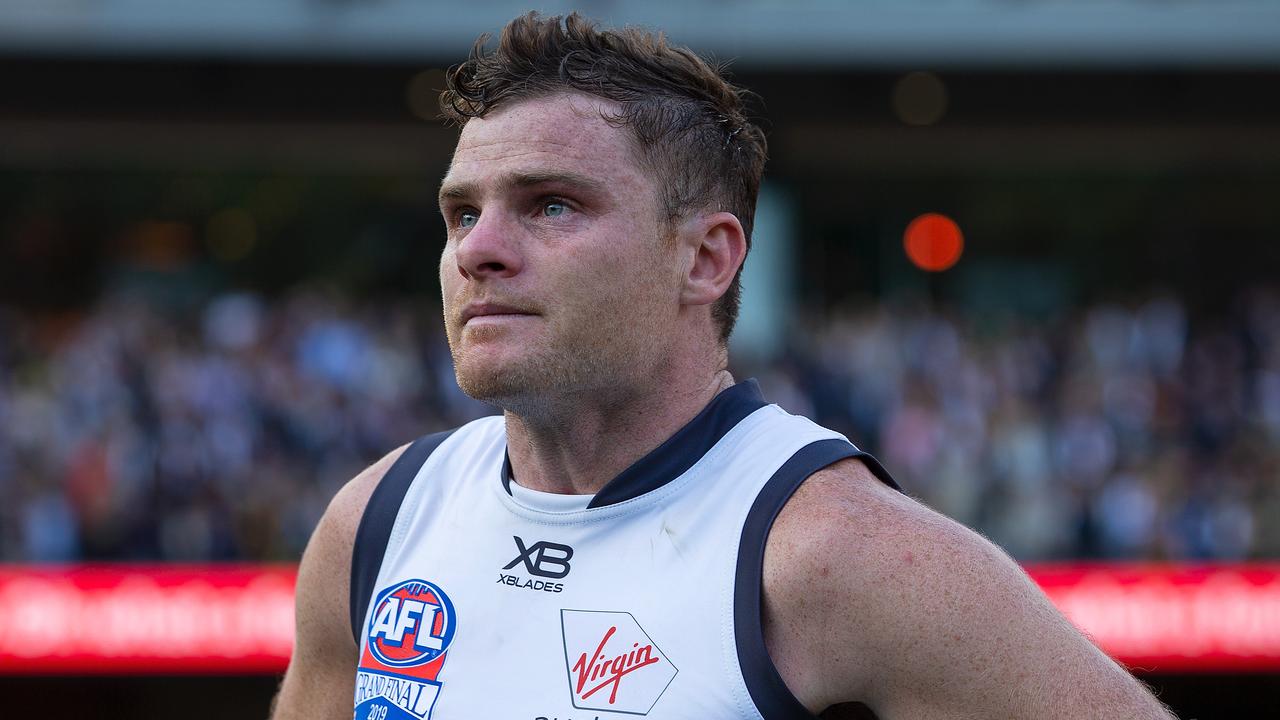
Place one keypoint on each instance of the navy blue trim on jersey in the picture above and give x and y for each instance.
(768, 690)
(506, 471)
(674, 457)
(878, 470)
(375, 525)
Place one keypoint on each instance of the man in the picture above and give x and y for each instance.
(639, 535)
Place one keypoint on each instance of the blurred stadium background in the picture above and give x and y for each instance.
(218, 302)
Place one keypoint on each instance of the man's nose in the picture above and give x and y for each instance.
(489, 249)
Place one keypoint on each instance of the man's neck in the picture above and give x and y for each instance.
(590, 442)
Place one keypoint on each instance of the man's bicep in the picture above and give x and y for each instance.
(320, 681)
(965, 633)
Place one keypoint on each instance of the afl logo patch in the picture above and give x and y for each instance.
(412, 624)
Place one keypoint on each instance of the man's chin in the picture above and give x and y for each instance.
(499, 384)
(528, 385)
(483, 387)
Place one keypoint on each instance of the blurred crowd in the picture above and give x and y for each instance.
(1115, 431)
(219, 434)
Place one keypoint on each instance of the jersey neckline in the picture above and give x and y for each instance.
(679, 452)
(539, 501)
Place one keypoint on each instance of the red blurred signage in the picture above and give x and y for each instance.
(239, 619)
(1174, 618)
(146, 619)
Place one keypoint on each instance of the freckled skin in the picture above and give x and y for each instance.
(919, 617)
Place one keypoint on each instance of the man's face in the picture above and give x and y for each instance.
(557, 279)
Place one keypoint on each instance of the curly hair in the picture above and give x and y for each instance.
(688, 122)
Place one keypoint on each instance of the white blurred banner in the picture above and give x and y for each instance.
(766, 32)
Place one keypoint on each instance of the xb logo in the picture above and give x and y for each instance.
(544, 559)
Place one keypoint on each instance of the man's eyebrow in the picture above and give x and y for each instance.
(557, 177)
(465, 190)
(456, 191)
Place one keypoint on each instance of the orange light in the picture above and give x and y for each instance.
(933, 242)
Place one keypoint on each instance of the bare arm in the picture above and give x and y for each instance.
(320, 681)
(872, 597)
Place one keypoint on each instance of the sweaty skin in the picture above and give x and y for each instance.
(569, 303)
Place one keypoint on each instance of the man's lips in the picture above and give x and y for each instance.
(481, 310)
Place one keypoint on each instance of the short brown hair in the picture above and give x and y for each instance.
(689, 122)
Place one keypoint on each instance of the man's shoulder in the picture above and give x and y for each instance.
(870, 596)
(348, 504)
(841, 521)
(854, 567)
(845, 524)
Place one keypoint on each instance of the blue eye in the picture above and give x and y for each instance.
(468, 219)
(554, 209)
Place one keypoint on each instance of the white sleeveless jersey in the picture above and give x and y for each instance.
(470, 602)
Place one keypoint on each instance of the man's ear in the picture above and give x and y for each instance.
(718, 248)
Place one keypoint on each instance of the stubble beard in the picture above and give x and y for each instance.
(596, 357)
(536, 384)
(546, 384)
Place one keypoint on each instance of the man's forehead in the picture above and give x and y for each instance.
(560, 133)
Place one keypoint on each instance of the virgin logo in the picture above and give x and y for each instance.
(604, 653)
(610, 671)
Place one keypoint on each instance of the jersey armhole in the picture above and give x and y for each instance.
(772, 698)
(377, 522)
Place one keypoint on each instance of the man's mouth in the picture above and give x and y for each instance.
(492, 312)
